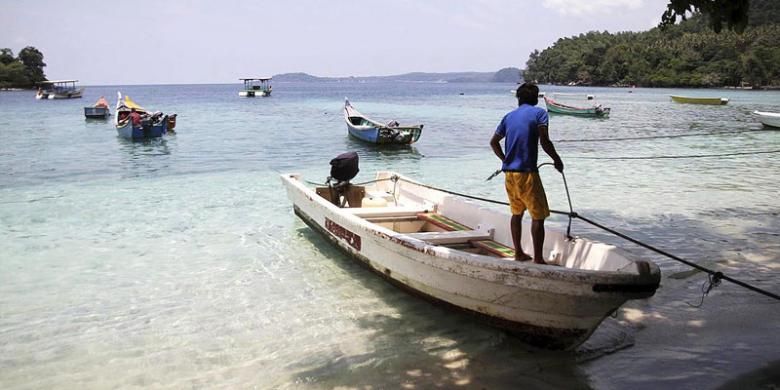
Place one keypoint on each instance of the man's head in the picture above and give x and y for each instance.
(132, 110)
(528, 93)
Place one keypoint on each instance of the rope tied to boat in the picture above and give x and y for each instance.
(711, 282)
(714, 277)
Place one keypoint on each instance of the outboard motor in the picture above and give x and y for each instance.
(344, 168)
(171, 122)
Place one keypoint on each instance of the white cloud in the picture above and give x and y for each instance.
(589, 7)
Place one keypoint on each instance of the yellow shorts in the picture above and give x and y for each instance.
(525, 191)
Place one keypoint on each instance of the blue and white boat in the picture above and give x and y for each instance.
(368, 130)
(152, 126)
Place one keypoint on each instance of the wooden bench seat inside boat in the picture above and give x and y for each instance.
(453, 237)
(386, 212)
(484, 243)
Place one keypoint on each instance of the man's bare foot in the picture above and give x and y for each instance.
(520, 256)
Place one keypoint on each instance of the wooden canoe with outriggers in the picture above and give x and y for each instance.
(713, 101)
(459, 253)
(558, 108)
(369, 130)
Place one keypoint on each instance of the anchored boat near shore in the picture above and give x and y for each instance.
(455, 252)
(595, 111)
(59, 89)
(713, 101)
(769, 119)
(369, 130)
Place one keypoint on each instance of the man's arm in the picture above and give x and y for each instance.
(547, 145)
(495, 143)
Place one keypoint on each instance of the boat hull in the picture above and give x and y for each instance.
(367, 130)
(97, 112)
(712, 101)
(768, 119)
(127, 131)
(385, 135)
(590, 112)
(251, 93)
(72, 94)
(541, 304)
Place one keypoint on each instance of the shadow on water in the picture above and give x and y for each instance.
(427, 346)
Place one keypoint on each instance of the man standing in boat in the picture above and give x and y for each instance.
(135, 117)
(524, 129)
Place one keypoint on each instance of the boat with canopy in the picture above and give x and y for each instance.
(458, 253)
(58, 89)
(596, 111)
(369, 130)
(256, 87)
(152, 125)
(712, 101)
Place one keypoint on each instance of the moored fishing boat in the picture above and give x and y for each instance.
(256, 87)
(454, 251)
(713, 101)
(151, 126)
(369, 130)
(59, 89)
(99, 110)
(769, 119)
(595, 111)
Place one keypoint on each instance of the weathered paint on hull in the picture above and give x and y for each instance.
(546, 337)
(546, 305)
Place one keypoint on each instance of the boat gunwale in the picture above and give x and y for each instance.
(528, 269)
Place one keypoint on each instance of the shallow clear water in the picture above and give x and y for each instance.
(179, 263)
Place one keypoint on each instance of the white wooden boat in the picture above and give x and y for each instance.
(769, 119)
(457, 252)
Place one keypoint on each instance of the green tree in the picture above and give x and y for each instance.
(32, 59)
(6, 56)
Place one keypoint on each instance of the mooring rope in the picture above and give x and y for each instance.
(715, 276)
(655, 136)
(676, 157)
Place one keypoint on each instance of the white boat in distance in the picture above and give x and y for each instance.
(769, 119)
(455, 251)
(59, 89)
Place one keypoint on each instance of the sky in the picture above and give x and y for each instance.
(197, 41)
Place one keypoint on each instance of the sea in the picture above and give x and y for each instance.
(178, 262)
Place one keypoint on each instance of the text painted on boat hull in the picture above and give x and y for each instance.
(341, 232)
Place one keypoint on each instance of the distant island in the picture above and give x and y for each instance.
(689, 54)
(505, 75)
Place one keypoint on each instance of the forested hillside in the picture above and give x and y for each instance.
(686, 55)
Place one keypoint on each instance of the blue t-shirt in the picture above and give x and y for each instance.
(521, 146)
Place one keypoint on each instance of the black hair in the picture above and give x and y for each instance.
(528, 93)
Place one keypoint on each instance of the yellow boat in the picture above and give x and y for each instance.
(713, 101)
